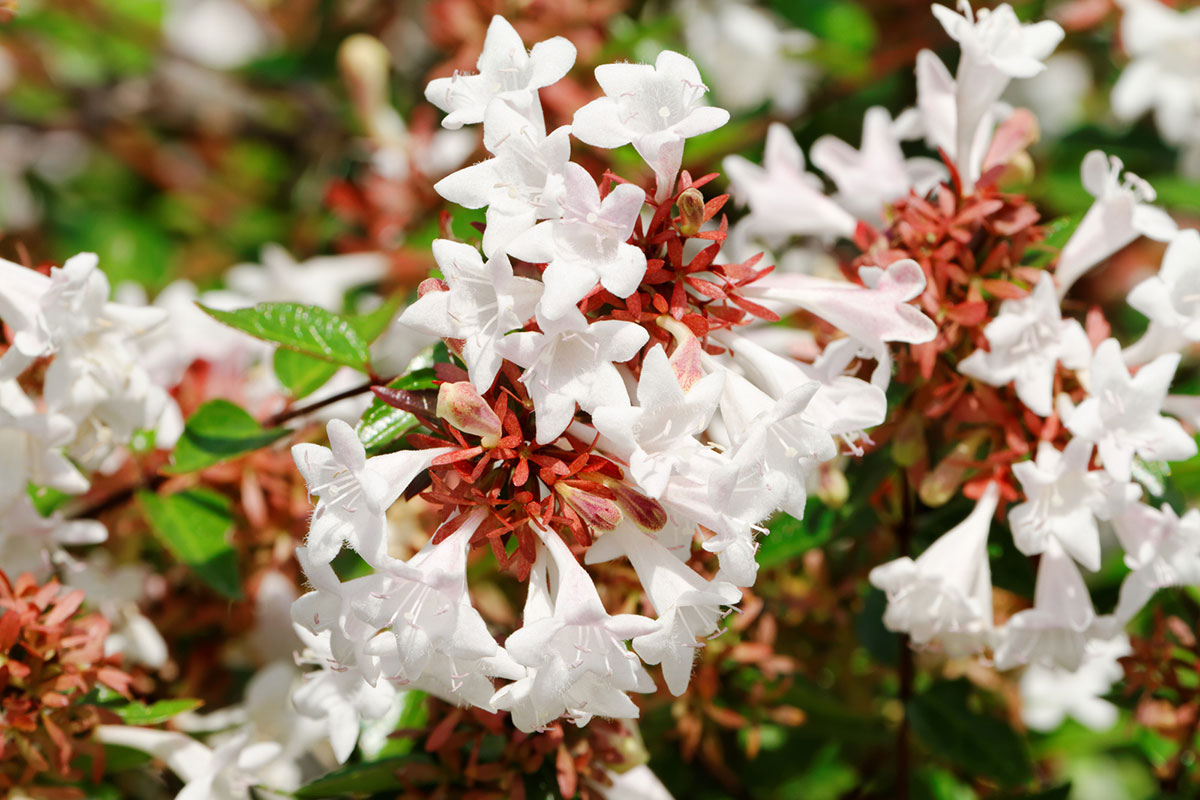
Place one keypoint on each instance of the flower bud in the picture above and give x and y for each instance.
(599, 513)
(364, 63)
(942, 482)
(461, 406)
(691, 212)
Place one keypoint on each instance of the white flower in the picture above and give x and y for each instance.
(689, 607)
(576, 652)
(484, 302)
(571, 361)
(588, 243)
(1164, 44)
(1027, 340)
(654, 107)
(1063, 499)
(1121, 413)
(30, 441)
(420, 607)
(30, 542)
(1121, 213)
(115, 591)
(507, 72)
(1162, 549)
(749, 56)
(1051, 694)
(873, 314)
(523, 182)
(221, 34)
(354, 491)
(1058, 95)
(946, 594)
(784, 199)
(996, 48)
(1171, 300)
(639, 783)
(322, 281)
(1056, 631)
(659, 433)
(876, 175)
(342, 699)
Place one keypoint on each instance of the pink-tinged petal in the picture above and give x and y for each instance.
(566, 284)
(314, 462)
(624, 274)
(623, 79)
(502, 47)
(702, 120)
(469, 187)
(619, 341)
(536, 245)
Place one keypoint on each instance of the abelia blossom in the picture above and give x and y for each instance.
(1121, 413)
(1161, 547)
(653, 107)
(657, 434)
(1051, 694)
(507, 72)
(354, 491)
(523, 182)
(784, 199)
(996, 48)
(30, 441)
(30, 542)
(1164, 74)
(1056, 631)
(1026, 342)
(1121, 213)
(320, 281)
(483, 302)
(869, 178)
(586, 245)
(572, 361)
(1064, 498)
(945, 595)
(1171, 301)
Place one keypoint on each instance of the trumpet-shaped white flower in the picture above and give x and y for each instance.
(1027, 340)
(588, 243)
(354, 491)
(784, 199)
(522, 183)
(873, 314)
(945, 595)
(1063, 500)
(343, 700)
(484, 302)
(30, 442)
(1162, 549)
(689, 607)
(1056, 631)
(1122, 413)
(996, 48)
(877, 174)
(657, 434)
(571, 361)
(1120, 214)
(654, 107)
(1051, 694)
(507, 72)
(1164, 75)
(320, 281)
(30, 542)
(1171, 300)
(575, 651)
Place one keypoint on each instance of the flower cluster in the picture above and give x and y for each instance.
(608, 397)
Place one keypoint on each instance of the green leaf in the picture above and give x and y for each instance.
(361, 780)
(137, 713)
(218, 431)
(382, 424)
(414, 714)
(305, 329)
(1058, 233)
(978, 743)
(193, 526)
(302, 375)
(370, 325)
(791, 537)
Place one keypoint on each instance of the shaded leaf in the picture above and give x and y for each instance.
(381, 424)
(137, 713)
(305, 329)
(218, 431)
(193, 526)
(361, 780)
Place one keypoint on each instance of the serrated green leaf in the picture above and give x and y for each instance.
(305, 329)
(218, 431)
(301, 374)
(193, 525)
(979, 743)
(382, 424)
(137, 713)
(361, 780)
